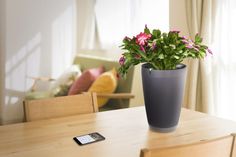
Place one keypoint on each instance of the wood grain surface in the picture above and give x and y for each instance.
(126, 132)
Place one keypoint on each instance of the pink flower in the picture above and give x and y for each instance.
(153, 46)
(189, 46)
(184, 41)
(122, 60)
(142, 38)
(209, 51)
(191, 42)
(142, 48)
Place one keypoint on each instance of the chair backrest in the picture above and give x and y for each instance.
(221, 147)
(60, 106)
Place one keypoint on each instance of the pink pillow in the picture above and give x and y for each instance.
(83, 83)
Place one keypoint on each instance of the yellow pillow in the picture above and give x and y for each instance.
(105, 83)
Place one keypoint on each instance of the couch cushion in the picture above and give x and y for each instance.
(106, 83)
(62, 85)
(83, 83)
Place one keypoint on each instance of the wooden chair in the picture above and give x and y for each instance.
(220, 147)
(60, 106)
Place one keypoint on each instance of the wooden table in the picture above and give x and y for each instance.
(126, 132)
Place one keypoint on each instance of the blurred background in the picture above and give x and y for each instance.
(43, 37)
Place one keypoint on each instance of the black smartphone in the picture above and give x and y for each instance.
(88, 138)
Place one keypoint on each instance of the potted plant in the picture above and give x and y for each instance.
(163, 74)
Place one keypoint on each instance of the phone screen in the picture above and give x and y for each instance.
(89, 138)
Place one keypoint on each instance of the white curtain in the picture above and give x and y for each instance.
(224, 60)
(214, 90)
(198, 90)
(86, 24)
(117, 19)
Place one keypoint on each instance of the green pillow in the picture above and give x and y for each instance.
(38, 95)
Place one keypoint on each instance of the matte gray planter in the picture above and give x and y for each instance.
(163, 93)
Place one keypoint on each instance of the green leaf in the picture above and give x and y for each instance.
(179, 52)
(202, 54)
(161, 56)
(172, 46)
(181, 47)
(176, 57)
(156, 33)
(153, 56)
(204, 46)
(146, 30)
(198, 39)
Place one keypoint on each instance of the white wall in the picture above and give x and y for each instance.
(2, 50)
(39, 42)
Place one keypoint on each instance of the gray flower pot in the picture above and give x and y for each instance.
(163, 93)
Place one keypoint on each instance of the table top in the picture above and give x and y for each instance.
(126, 132)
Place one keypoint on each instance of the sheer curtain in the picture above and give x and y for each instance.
(85, 24)
(198, 89)
(117, 19)
(224, 60)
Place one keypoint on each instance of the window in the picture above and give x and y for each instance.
(224, 59)
(117, 19)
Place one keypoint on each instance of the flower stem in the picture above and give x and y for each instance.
(148, 61)
(155, 67)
